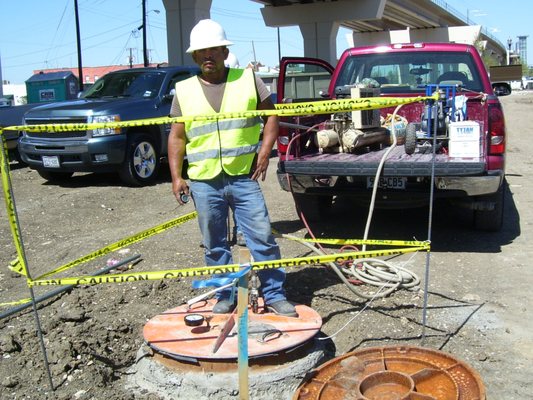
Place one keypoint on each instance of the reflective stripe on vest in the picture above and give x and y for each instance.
(228, 144)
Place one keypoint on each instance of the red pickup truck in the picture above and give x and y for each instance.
(457, 142)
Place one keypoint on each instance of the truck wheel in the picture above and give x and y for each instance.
(490, 220)
(142, 161)
(52, 176)
(410, 138)
(313, 207)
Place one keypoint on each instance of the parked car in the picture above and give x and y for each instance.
(13, 116)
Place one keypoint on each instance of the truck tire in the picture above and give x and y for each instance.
(491, 220)
(142, 161)
(55, 177)
(313, 207)
(410, 138)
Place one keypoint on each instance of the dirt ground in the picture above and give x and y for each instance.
(479, 305)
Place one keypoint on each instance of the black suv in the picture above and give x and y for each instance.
(134, 152)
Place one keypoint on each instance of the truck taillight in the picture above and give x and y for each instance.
(283, 141)
(496, 130)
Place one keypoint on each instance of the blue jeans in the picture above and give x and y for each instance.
(213, 199)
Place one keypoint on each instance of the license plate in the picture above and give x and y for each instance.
(51, 161)
(388, 182)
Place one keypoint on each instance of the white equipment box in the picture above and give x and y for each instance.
(465, 139)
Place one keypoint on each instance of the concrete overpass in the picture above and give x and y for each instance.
(371, 21)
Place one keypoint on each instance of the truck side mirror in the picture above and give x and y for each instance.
(170, 95)
(501, 88)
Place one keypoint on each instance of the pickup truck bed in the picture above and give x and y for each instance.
(323, 156)
(398, 163)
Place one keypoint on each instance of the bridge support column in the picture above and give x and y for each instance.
(182, 15)
(320, 40)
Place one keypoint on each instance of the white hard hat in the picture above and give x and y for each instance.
(231, 61)
(207, 33)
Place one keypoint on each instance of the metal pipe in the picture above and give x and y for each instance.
(17, 237)
(62, 289)
(296, 126)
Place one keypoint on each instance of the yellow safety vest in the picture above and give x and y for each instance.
(228, 145)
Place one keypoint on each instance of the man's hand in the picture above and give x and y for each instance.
(260, 168)
(176, 152)
(179, 187)
(270, 134)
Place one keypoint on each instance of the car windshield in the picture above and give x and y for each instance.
(140, 84)
(409, 72)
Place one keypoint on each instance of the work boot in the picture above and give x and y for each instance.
(283, 307)
(224, 306)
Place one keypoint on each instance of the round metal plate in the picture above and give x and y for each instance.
(168, 333)
(394, 372)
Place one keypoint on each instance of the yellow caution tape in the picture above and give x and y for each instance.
(17, 266)
(369, 242)
(289, 109)
(222, 269)
(15, 303)
(123, 243)
(10, 207)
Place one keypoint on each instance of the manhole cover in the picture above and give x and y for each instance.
(393, 373)
(268, 333)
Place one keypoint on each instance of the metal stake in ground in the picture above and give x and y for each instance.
(62, 289)
(242, 327)
(15, 230)
(432, 111)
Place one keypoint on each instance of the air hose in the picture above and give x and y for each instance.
(376, 273)
(370, 271)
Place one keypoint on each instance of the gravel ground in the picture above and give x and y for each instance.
(478, 298)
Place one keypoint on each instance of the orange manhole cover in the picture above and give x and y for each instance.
(268, 333)
(393, 373)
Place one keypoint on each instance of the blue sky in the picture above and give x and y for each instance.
(37, 34)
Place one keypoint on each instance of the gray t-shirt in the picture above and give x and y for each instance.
(215, 92)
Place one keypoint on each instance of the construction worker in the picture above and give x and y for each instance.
(225, 161)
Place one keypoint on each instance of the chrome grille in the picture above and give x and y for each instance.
(57, 135)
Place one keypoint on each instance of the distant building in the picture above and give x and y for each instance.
(15, 93)
(522, 49)
(91, 74)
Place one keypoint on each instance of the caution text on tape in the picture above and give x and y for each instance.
(289, 109)
(223, 269)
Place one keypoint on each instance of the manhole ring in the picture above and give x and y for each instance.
(393, 373)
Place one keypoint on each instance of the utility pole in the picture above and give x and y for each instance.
(279, 47)
(131, 57)
(145, 50)
(78, 42)
(509, 44)
(255, 60)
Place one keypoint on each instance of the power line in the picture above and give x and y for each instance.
(57, 29)
(235, 14)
